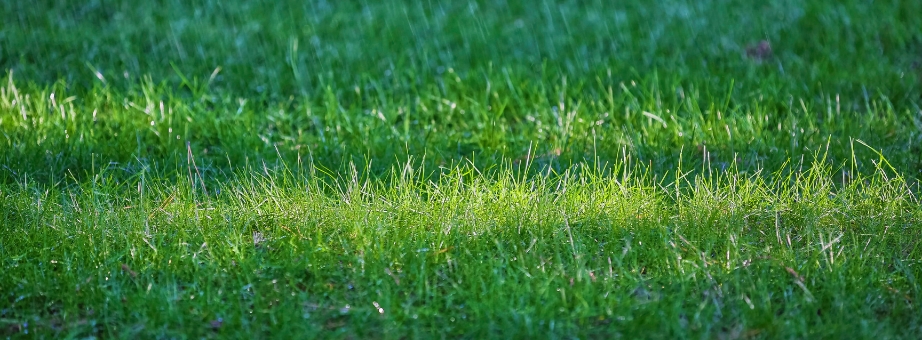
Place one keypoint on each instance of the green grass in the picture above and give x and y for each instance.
(473, 169)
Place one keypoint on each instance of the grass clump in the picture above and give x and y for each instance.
(472, 169)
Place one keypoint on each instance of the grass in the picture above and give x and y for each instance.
(472, 169)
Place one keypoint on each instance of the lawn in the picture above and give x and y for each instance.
(460, 169)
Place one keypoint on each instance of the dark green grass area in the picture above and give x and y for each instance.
(472, 169)
(451, 80)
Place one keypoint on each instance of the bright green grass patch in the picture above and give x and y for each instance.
(51, 133)
(583, 253)
(476, 169)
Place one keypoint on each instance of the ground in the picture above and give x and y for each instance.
(460, 169)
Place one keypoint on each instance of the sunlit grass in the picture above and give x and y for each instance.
(475, 169)
(587, 252)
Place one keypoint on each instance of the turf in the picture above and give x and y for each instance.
(475, 169)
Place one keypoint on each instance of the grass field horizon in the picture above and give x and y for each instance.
(474, 169)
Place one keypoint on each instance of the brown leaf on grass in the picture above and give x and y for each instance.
(759, 51)
(795, 274)
(128, 270)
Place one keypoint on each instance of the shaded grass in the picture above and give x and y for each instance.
(452, 80)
